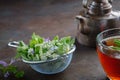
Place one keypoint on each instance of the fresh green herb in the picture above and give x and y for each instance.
(6, 70)
(117, 44)
(43, 49)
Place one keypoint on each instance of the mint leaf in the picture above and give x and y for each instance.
(56, 38)
(115, 48)
(41, 49)
(36, 39)
(9, 70)
(117, 42)
(21, 43)
(19, 74)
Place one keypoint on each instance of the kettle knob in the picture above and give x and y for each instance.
(86, 3)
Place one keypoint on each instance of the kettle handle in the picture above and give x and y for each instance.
(83, 24)
(81, 20)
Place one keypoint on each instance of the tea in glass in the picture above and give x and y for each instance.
(108, 49)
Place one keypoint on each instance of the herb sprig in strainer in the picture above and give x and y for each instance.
(41, 49)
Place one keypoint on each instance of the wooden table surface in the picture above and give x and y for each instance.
(47, 18)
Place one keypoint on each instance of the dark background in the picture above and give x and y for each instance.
(20, 18)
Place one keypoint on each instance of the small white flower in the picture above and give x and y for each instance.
(31, 51)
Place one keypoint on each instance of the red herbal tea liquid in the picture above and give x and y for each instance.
(110, 59)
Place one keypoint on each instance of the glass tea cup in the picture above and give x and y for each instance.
(108, 49)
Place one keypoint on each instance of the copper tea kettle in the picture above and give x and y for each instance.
(96, 16)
